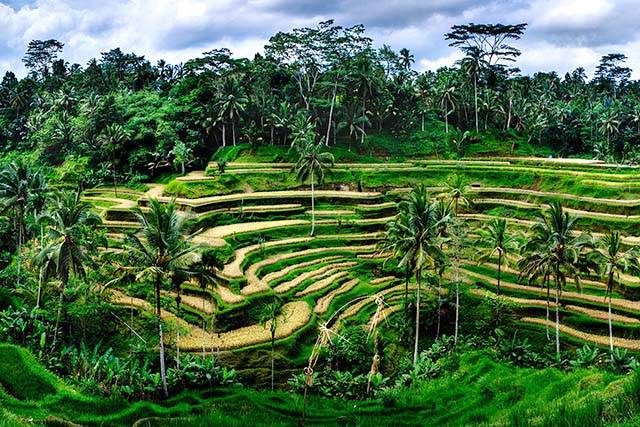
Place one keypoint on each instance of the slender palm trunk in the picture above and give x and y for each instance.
(439, 303)
(333, 102)
(224, 135)
(557, 320)
(499, 269)
(475, 96)
(163, 373)
(313, 207)
(610, 329)
(204, 323)
(417, 333)
(363, 119)
(233, 132)
(273, 369)
(422, 122)
(457, 279)
(547, 322)
(406, 295)
(178, 331)
(446, 120)
(63, 288)
(113, 166)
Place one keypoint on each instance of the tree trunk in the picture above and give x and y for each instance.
(446, 120)
(417, 333)
(499, 269)
(163, 373)
(233, 132)
(115, 183)
(224, 135)
(406, 295)
(475, 96)
(422, 122)
(63, 287)
(439, 303)
(557, 320)
(546, 279)
(313, 207)
(509, 114)
(610, 330)
(457, 279)
(273, 343)
(363, 119)
(204, 323)
(333, 101)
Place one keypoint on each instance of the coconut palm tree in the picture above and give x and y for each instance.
(496, 240)
(561, 253)
(270, 317)
(472, 65)
(418, 243)
(111, 138)
(232, 101)
(205, 272)
(613, 260)
(406, 58)
(443, 217)
(458, 192)
(312, 165)
(395, 243)
(20, 187)
(447, 102)
(70, 231)
(159, 252)
(610, 126)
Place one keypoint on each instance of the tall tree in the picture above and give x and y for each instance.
(40, 56)
(312, 165)
(495, 239)
(71, 242)
(160, 251)
(613, 260)
(270, 318)
(112, 138)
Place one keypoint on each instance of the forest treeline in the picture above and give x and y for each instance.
(121, 113)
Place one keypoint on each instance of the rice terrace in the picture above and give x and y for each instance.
(330, 229)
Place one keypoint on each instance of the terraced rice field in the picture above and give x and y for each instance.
(338, 273)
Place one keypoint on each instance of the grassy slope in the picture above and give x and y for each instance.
(476, 390)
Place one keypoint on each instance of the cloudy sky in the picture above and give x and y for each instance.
(562, 34)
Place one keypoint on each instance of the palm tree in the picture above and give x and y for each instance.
(365, 80)
(233, 100)
(160, 252)
(312, 166)
(406, 58)
(458, 192)
(111, 138)
(20, 186)
(442, 216)
(70, 225)
(610, 126)
(394, 242)
(205, 272)
(418, 243)
(613, 260)
(270, 317)
(472, 65)
(447, 102)
(496, 240)
(560, 253)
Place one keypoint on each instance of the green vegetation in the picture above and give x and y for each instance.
(376, 246)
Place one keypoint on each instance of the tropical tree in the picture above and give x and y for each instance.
(447, 101)
(70, 243)
(559, 252)
(418, 243)
(112, 137)
(458, 192)
(160, 252)
(443, 217)
(232, 101)
(494, 240)
(312, 165)
(20, 187)
(270, 318)
(614, 260)
(406, 58)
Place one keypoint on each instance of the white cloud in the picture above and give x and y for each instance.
(562, 35)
